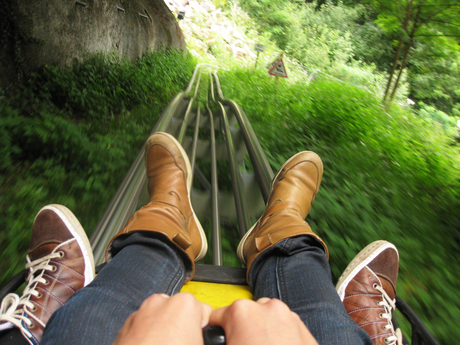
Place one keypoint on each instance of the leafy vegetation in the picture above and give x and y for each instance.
(388, 175)
(69, 136)
(418, 38)
(433, 23)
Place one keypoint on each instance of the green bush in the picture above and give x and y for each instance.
(70, 135)
(388, 175)
(431, 114)
(318, 39)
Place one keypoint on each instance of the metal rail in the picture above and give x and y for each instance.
(259, 161)
(126, 198)
(180, 115)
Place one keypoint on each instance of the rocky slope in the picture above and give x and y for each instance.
(208, 29)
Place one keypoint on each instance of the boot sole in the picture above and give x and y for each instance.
(204, 246)
(360, 261)
(77, 231)
(240, 249)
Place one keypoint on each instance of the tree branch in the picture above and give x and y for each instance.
(437, 36)
(440, 21)
(435, 14)
(395, 12)
(441, 5)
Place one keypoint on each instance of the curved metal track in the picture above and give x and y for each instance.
(218, 132)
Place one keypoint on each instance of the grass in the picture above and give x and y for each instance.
(388, 175)
(69, 137)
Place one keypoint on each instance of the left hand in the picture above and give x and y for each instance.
(166, 320)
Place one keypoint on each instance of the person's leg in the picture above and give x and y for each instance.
(296, 271)
(154, 253)
(287, 260)
(142, 267)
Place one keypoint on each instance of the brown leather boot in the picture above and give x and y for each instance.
(169, 214)
(367, 288)
(60, 262)
(293, 190)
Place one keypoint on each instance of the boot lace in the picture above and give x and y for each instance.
(14, 309)
(389, 305)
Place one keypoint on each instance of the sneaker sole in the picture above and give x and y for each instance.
(77, 231)
(361, 260)
(204, 246)
(239, 250)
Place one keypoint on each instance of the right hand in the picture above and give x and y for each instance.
(166, 320)
(265, 322)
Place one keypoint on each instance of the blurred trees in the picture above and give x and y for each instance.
(413, 42)
(435, 76)
(435, 23)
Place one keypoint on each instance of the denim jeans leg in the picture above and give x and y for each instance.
(95, 314)
(296, 271)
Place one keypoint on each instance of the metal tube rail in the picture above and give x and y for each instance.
(180, 138)
(195, 139)
(420, 334)
(196, 131)
(256, 154)
(216, 234)
(240, 200)
(197, 69)
(123, 204)
(238, 193)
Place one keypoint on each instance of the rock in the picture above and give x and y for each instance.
(204, 34)
(218, 32)
(238, 52)
(54, 32)
(208, 7)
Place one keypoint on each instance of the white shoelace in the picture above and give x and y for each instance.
(389, 305)
(14, 309)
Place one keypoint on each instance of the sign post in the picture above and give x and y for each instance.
(259, 48)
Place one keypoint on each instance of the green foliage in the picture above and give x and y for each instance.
(389, 174)
(434, 75)
(70, 135)
(318, 39)
(105, 85)
(371, 45)
(332, 35)
(432, 23)
(431, 114)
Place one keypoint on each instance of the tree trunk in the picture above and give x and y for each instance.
(406, 52)
(398, 52)
(403, 65)
(393, 68)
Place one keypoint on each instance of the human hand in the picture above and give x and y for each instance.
(166, 320)
(265, 322)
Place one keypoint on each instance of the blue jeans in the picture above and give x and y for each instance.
(295, 270)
